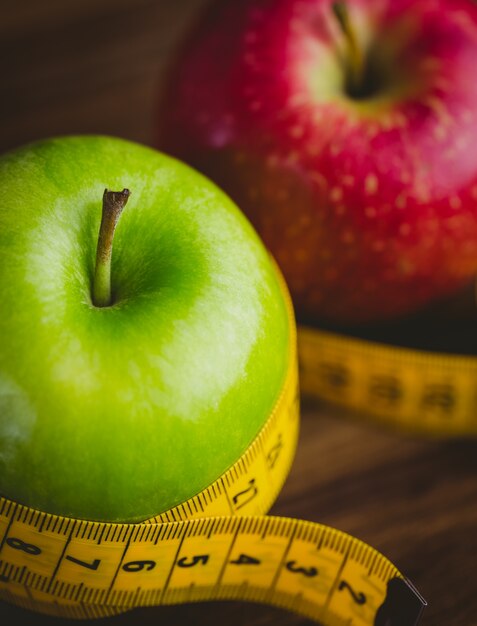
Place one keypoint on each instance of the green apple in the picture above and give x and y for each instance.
(123, 410)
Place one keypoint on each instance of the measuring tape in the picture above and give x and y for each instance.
(424, 392)
(218, 545)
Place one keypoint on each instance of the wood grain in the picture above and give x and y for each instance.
(98, 66)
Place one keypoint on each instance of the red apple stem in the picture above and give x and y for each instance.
(355, 56)
(113, 205)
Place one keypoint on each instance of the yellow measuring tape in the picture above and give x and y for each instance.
(425, 392)
(217, 545)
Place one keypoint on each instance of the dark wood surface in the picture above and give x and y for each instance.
(98, 66)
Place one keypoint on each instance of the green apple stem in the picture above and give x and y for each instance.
(355, 56)
(113, 205)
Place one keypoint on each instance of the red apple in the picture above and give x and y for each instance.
(351, 143)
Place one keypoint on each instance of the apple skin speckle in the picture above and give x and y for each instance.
(371, 184)
(376, 182)
(455, 202)
(336, 194)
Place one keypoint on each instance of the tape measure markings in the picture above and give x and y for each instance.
(426, 392)
(292, 548)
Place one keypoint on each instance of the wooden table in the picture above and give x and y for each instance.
(97, 66)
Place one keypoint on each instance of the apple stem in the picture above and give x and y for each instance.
(355, 54)
(113, 205)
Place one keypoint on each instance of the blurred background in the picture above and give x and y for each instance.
(86, 66)
(98, 66)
